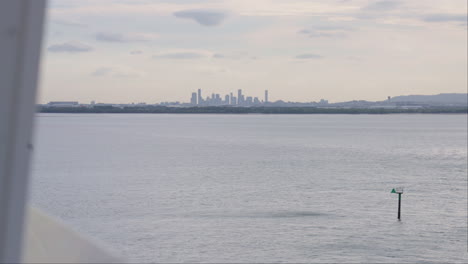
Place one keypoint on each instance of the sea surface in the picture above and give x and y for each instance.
(258, 188)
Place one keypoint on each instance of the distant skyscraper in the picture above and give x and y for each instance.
(249, 100)
(200, 98)
(226, 99)
(266, 96)
(193, 100)
(239, 97)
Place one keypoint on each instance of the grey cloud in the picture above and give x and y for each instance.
(118, 72)
(308, 56)
(136, 52)
(120, 37)
(445, 18)
(235, 56)
(325, 35)
(69, 23)
(71, 47)
(396, 8)
(110, 37)
(334, 27)
(102, 71)
(377, 10)
(203, 17)
(385, 5)
(180, 55)
(333, 31)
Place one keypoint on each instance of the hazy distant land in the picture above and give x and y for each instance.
(252, 110)
(448, 98)
(424, 104)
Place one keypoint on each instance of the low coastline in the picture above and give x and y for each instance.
(250, 110)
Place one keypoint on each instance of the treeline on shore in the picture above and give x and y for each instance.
(250, 110)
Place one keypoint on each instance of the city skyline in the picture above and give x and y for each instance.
(229, 99)
(131, 51)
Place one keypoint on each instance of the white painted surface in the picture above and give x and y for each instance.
(49, 241)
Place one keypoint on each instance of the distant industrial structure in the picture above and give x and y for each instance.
(63, 104)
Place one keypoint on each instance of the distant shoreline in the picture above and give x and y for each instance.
(249, 110)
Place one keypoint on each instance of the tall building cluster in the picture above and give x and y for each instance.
(228, 99)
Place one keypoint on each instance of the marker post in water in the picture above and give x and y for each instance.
(398, 190)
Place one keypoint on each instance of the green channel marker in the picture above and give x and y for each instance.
(398, 190)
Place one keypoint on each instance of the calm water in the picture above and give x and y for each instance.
(259, 188)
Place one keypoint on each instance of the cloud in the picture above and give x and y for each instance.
(71, 47)
(235, 56)
(307, 56)
(136, 52)
(304, 31)
(218, 56)
(386, 5)
(320, 34)
(274, 8)
(202, 17)
(333, 31)
(117, 71)
(445, 18)
(182, 55)
(69, 23)
(102, 71)
(120, 37)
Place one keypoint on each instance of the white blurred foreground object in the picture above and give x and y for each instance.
(21, 27)
(21, 24)
(48, 241)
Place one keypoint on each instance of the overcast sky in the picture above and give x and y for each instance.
(127, 51)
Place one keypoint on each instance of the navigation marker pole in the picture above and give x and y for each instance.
(398, 190)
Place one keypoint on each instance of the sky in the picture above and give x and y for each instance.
(124, 51)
